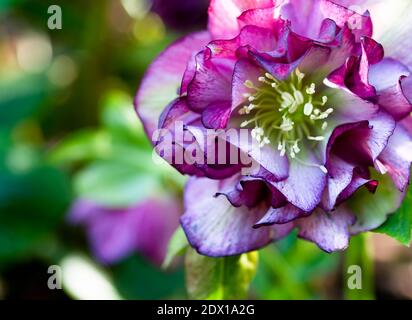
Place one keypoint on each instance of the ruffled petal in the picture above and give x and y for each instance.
(340, 174)
(305, 196)
(183, 142)
(397, 157)
(211, 82)
(265, 162)
(354, 74)
(244, 70)
(210, 90)
(282, 215)
(242, 192)
(223, 15)
(161, 83)
(357, 182)
(307, 17)
(370, 142)
(330, 231)
(260, 17)
(386, 73)
(258, 38)
(216, 228)
(394, 87)
(394, 99)
(395, 33)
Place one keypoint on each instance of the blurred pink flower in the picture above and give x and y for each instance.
(115, 234)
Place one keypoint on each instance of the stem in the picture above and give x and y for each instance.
(359, 254)
(286, 275)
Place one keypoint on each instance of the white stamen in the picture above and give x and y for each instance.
(324, 170)
(298, 97)
(264, 142)
(250, 108)
(285, 101)
(295, 147)
(249, 84)
(293, 107)
(270, 77)
(280, 146)
(311, 90)
(307, 109)
(300, 75)
(287, 124)
(319, 138)
(287, 98)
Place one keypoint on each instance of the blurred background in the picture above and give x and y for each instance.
(78, 188)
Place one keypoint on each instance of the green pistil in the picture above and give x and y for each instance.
(285, 113)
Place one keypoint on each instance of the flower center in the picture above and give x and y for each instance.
(285, 113)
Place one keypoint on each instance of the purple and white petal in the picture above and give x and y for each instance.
(330, 231)
(397, 157)
(162, 81)
(216, 228)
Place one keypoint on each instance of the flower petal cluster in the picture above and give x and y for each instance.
(327, 116)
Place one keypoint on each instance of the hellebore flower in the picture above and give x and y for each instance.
(327, 116)
(182, 14)
(115, 234)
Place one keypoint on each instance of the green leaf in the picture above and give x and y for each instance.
(399, 225)
(219, 278)
(119, 117)
(32, 205)
(82, 146)
(177, 247)
(135, 278)
(21, 97)
(115, 184)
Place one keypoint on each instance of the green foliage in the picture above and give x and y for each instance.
(399, 225)
(33, 203)
(116, 160)
(21, 97)
(135, 278)
(359, 254)
(219, 278)
(293, 269)
(114, 185)
(177, 247)
(111, 163)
